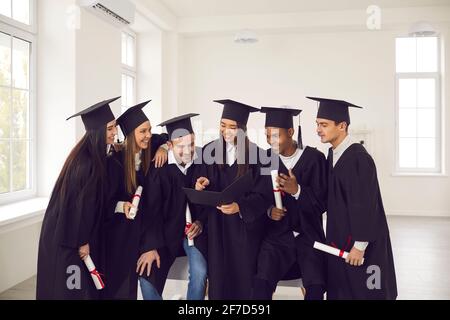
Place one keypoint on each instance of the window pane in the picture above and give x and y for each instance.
(5, 59)
(406, 54)
(124, 90)
(124, 48)
(407, 154)
(426, 123)
(5, 8)
(5, 112)
(4, 166)
(21, 11)
(427, 54)
(20, 156)
(20, 114)
(426, 93)
(426, 155)
(130, 91)
(130, 51)
(21, 63)
(407, 123)
(407, 91)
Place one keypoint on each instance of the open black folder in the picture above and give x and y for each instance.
(229, 195)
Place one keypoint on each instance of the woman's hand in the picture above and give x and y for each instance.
(201, 183)
(229, 208)
(160, 157)
(195, 230)
(83, 251)
(146, 260)
(126, 209)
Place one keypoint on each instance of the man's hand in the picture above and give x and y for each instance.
(229, 208)
(160, 157)
(201, 183)
(195, 230)
(355, 257)
(288, 184)
(126, 209)
(277, 214)
(83, 251)
(146, 260)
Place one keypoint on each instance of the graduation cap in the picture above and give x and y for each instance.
(283, 118)
(336, 110)
(236, 111)
(179, 126)
(132, 118)
(230, 194)
(97, 115)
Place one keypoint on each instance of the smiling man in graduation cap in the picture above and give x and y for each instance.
(177, 226)
(293, 229)
(356, 221)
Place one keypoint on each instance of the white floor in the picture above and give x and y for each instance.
(422, 258)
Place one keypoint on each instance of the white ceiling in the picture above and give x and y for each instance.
(205, 8)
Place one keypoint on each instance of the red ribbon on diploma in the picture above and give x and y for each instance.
(136, 196)
(187, 227)
(278, 190)
(341, 252)
(99, 277)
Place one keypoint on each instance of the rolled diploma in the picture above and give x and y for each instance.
(135, 202)
(331, 250)
(99, 284)
(188, 224)
(276, 190)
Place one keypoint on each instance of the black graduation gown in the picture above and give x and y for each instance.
(234, 240)
(166, 202)
(356, 213)
(125, 239)
(281, 252)
(63, 232)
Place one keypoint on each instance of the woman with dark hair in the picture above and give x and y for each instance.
(126, 236)
(235, 230)
(71, 227)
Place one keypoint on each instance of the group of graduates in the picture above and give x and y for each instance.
(236, 250)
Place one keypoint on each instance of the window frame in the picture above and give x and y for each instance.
(31, 28)
(14, 196)
(438, 169)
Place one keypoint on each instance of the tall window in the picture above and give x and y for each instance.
(17, 61)
(128, 71)
(418, 105)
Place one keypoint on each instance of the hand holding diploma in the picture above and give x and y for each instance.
(136, 199)
(276, 189)
(188, 225)
(340, 253)
(96, 277)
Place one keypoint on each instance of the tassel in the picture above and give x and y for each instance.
(299, 137)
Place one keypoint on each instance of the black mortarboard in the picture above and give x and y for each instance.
(132, 118)
(336, 110)
(97, 115)
(179, 126)
(230, 194)
(236, 111)
(283, 118)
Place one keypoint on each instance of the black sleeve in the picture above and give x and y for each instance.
(364, 199)
(116, 187)
(153, 209)
(313, 195)
(158, 140)
(254, 204)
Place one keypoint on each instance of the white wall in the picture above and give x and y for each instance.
(282, 68)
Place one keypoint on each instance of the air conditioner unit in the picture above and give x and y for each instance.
(119, 12)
